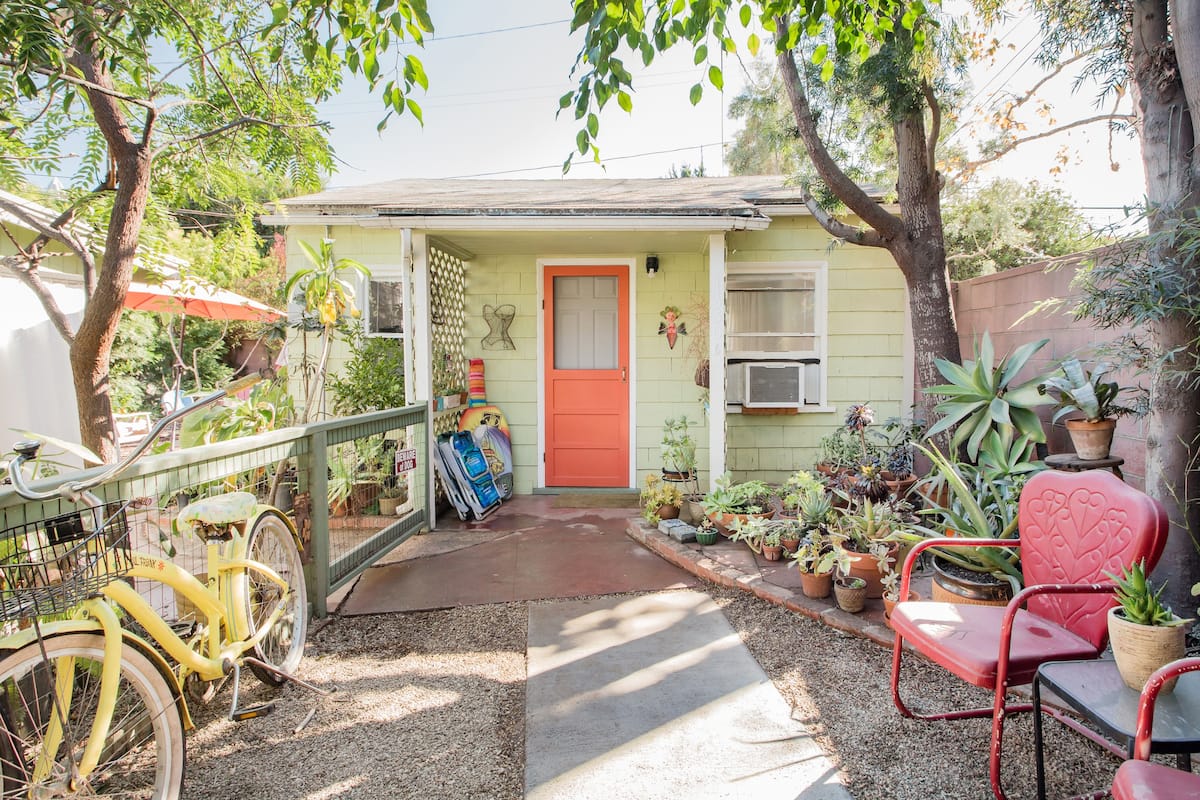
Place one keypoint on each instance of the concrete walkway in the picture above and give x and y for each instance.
(650, 696)
(656, 697)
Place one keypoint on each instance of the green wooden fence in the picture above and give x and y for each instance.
(289, 467)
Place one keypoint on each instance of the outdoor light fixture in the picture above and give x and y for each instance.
(651, 265)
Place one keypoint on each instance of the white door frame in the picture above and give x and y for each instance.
(630, 264)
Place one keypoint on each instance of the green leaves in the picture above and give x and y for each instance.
(982, 396)
(696, 93)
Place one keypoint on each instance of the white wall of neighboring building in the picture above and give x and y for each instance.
(38, 394)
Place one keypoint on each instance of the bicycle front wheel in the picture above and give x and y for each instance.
(271, 543)
(143, 756)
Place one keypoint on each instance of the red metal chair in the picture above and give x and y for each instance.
(1074, 527)
(1140, 779)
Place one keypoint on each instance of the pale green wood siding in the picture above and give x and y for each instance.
(866, 318)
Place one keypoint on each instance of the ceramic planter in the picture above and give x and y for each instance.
(691, 512)
(1141, 649)
(1092, 440)
(706, 537)
(388, 505)
(816, 586)
(668, 511)
(968, 589)
(851, 593)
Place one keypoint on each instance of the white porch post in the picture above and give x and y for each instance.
(716, 358)
(422, 352)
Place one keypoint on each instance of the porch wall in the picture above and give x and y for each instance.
(662, 377)
(867, 320)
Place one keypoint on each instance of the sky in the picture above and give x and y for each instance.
(496, 71)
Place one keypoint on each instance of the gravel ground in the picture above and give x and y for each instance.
(431, 705)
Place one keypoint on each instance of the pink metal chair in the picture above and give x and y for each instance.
(1139, 779)
(1074, 527)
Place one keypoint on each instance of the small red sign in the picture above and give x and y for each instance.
(406, 461)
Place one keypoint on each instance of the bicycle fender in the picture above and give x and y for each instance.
(29, 636)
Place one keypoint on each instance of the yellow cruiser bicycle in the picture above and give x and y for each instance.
(88, 705)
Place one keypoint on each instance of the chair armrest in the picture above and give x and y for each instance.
(1145, 717)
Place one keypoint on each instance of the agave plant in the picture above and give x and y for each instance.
(983, 396)
(1140, 603)
(1078, 389)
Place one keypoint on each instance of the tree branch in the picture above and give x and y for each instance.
(81, 82)
(835, 227)
(1013, 144)
(228, 126)
(24, 268)
(203, 54)
(935, 126)
(839, 183)
(1049, 76)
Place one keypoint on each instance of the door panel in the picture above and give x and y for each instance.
(587, 386)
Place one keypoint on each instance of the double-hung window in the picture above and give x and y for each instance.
(776, 334)
(385, 307)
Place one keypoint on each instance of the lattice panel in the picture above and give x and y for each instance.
(448, 312)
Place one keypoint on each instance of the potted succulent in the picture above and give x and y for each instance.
(896, 442)
(797, 487)
(730, 501)
(1144, 634)
(678, 450)
(858, 528)
(983, 396)
(660, 499)
(840, 452)
(850, 592)
(980, 501)
(394, 495)
(816, 558)
(1080, 391)
(706, 533)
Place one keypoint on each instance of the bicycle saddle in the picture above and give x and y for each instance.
(220, 510)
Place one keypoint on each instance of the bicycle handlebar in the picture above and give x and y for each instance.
(72, 490)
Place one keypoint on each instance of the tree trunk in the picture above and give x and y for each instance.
(1168, 138)
(92, 349)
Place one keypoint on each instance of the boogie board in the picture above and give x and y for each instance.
(497, 450)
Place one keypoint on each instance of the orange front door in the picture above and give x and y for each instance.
(587, 376)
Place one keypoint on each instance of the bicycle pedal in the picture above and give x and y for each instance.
(250, 712)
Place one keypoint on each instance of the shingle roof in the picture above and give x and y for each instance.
(592, 197)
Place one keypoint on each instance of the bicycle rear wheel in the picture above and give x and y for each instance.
(143, 756)
(271, 542)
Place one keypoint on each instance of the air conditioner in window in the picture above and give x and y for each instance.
(772, 384)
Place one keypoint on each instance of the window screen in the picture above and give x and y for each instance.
(385, 316)
(772, 313)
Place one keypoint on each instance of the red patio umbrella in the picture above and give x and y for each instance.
(196, 298)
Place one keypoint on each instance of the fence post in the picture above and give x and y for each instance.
(319, 517)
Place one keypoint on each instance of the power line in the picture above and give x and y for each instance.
(699, 147)
(436, 38)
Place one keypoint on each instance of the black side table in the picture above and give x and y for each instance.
(1095, 690)
(1069, 462)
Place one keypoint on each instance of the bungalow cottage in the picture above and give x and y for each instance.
(797, 326)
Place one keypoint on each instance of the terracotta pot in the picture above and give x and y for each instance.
(816, 586)
(851, 593)
(772, 552)
(889, 604)
(864, 565)
(725, 521)
(1141, 649)
(1092, 440)
(967, 590)
(790, 545)
(668, 511)
(899, 486)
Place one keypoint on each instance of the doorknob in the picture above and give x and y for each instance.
(622, 374)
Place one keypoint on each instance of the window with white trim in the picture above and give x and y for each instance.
(775, 335)
(385, 308)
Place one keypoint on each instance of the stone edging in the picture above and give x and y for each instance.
(713, 571)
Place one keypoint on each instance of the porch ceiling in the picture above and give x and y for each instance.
(574, 243)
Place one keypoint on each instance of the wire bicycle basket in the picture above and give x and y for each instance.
(50, 566)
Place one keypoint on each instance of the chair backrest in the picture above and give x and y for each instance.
(1075, 527)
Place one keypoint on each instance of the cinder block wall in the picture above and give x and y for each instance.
(1000, 304)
